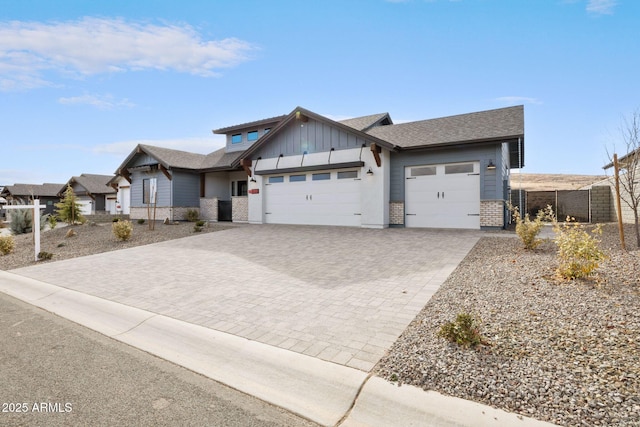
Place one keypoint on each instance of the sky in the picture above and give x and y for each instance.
(82, 82)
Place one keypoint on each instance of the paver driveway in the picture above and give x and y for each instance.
(340, 294)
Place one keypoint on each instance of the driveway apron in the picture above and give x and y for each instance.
(342, 295)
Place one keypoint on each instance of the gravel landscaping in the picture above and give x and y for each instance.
(93, 239)
(563, 351)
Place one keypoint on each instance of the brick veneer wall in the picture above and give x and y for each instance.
(209, 209)
(491, 213)
(396, 213)
(240, 209)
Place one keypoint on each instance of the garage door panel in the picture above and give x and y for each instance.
(447, 198)
(314, 202)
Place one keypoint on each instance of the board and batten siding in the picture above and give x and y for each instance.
(312, 137)
(491, 181)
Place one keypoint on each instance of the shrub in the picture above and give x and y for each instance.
(140, 221)
(7, 244)
(200, 223)
(20, 221)
(464, 331)
(53, 221)
(578, 251)
(528, 230)
(192, 215)
(43, 256)
(122, 230)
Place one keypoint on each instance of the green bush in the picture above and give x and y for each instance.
(53, 221)
(20, 221)
(192, 215)
(528, 230)
(578, 252)
(43, 256)
(122, 230)
(140, 220)
(7, 244)
(464, 331)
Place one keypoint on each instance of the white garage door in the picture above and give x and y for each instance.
(313, 198)
(443, 196)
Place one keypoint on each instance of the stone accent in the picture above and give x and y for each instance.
(240, 209)
(396, 213)
(162, 213)
(601, 199)
(209, 209)
(492, 213)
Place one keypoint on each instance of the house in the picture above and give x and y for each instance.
(93, 192)
(304, 168)
(22, 194)
(629, 160)
(123, 195)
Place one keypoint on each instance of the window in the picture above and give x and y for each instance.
(149, 190)
(239, 188)
(321, 176)
(276, 179)
(297, 178)
(252, 136)
(347, 174)
(423, 171)
(236, 139)
(460, 168)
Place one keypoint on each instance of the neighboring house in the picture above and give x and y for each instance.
(22, 194)
(123, 195)
(627, 213)
(304, 168)
(93, 193)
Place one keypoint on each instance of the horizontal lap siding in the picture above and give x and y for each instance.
(186, 189)
(490, 181)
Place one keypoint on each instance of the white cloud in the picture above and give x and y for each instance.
(601, 7)
(103, 102)
(98, 45)
(193, 145)
(513, 100)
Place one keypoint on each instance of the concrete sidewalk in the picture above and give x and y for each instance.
(324, 392)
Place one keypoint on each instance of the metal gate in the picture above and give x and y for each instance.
(565, 203)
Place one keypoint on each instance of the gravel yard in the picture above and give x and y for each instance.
(567, 352)
(93, 239)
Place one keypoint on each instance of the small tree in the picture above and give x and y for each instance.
(69, 208)
(629, 177)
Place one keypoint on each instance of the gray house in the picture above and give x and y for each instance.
(304, 168)
(22, 194)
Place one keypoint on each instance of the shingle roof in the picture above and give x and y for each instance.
(503, 123)
(365, 122)
(256, 123)
(42, 190)
(94, 184)
(220, 159)
(174, 158)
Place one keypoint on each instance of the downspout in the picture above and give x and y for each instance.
(520, 175)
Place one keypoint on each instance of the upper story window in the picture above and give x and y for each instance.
(237, 138)
(252, 136)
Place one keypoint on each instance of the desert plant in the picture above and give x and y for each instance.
(464, 331)
(53, 221)
(528, 230)
(20, 221)
(68, 210)
(578, 252)
(7, 244)
(122, 230)
(43, 256)
(192, 215)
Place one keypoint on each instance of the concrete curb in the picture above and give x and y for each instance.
(314, 389)
(320, 391)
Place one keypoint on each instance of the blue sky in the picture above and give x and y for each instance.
(82, 82)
